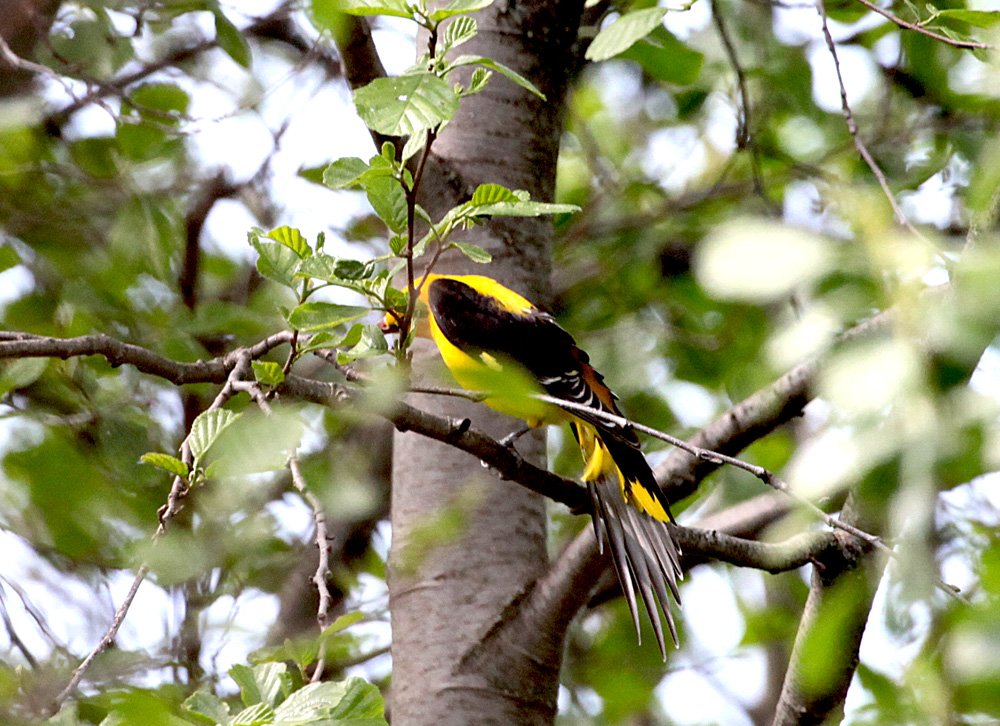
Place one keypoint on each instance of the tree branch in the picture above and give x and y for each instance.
(971, 44)
(813, 693)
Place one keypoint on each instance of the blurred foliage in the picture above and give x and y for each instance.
(718, 247)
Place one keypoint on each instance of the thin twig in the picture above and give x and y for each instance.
(744, 136)
(852, 127)
(323, 567)
(108, 639)
(179, 490)
(972, 44)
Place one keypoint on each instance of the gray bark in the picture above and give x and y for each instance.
(467, 547)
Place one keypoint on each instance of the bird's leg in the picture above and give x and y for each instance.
(513, 436)
(508, 443)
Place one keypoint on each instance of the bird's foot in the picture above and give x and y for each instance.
(508, 440)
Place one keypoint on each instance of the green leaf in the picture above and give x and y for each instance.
(459, 7)
(206, 429)
(267, 683)
(480, 77)
(396, 8)
(292, 239)
(8, 258)
(344, 621)
(303, 652)
(258, 442)
(255, 715)
(276, 262)
(459, 30)
(372, 343)
(389, 202)
(492, 193)
(267, 373)
(344, 172)
(665, 58)
(406, 104)
(621, 34)
(473, 252)
(326, 15)
(208, 705)
(976, 18)
(20, 373)
(354, 269)
(414, 144)
(353, 698)
(312, 317)
(166, 462)
(231, 40)
(466, 60)
(523, 209)
(345, 273)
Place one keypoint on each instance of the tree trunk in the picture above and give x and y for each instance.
(467, 546)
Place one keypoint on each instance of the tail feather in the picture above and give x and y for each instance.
(615, 534)
(644, 555)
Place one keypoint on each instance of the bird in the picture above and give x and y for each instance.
(494, 340)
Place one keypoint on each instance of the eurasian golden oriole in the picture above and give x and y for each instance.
(494, 340)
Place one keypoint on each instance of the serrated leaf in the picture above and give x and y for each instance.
(231, 40)
(396, 8)
(465, 60)
(621, 34)
(208, 705)
(275, 261)
(344, 172)
(371, 343)
(166, 462)
(406, 104)
(480, 77)
(267, 373)
(292, 239)
(255, 715)
(206, 429)
(350, 701)
(267, 683)
(523, 209)
(473, 252)
(389, 202)
(313, 317)
(460, 30)
(492, 193)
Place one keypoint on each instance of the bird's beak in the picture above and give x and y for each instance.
(389, 324)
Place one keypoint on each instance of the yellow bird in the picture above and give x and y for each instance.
(494, 340)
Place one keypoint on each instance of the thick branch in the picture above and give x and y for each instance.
(505, 460)
(843, 588)
(751, 419)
